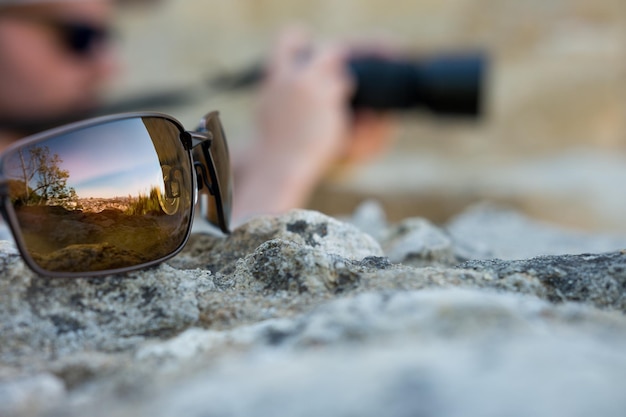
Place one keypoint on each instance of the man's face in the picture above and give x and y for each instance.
(46, 68)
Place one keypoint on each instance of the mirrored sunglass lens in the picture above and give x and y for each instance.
(110, 196)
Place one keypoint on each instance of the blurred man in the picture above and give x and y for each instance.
(56, 57)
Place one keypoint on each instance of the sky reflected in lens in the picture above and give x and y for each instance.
(104, 163)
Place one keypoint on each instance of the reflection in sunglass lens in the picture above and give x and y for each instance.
(109, 196)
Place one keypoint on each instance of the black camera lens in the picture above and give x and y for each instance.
(444, 84)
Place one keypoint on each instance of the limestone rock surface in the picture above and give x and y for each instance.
(306, 315)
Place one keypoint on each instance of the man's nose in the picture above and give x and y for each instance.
(106, 62)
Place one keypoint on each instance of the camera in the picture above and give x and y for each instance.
(446, 85)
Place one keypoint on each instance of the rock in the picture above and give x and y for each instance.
(44, 318)
(418, 242)
(413, 241)
(29, 395)
(440, 380)
(304, 315)
(397, 354)
(596, 279)
(487, 231)
(279, 265)
(302, 227)
(370, 218)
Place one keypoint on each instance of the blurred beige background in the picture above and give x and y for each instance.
(553, 143)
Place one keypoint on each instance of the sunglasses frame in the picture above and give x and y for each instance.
(189, 141)
(216, 187)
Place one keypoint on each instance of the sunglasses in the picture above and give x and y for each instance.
(79, 38)
(113, 194)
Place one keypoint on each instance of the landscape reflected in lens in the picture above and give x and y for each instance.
(109, 196)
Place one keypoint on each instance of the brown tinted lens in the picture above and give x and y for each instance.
(220, 174)
(110, 196)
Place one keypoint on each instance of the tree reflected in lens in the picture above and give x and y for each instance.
(105, 197)
(41, 179)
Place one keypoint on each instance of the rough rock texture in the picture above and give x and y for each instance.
(306, 315)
